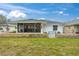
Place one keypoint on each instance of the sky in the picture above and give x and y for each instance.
(49, 11)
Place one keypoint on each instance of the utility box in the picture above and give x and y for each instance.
(51, 34)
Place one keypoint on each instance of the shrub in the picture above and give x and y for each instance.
(14, 35)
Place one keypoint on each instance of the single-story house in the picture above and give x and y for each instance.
(34, 26)
(3, 28)
(72, 27)
(10, 27)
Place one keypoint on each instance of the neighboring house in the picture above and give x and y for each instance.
(35, 26)
(7, 27)
(72, 27)
(3, 28)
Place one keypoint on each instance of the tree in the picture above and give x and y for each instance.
(3, 19)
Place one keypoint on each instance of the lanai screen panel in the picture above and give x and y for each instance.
(29, 27)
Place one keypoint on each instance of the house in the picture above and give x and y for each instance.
(3, 28)
(72, 27)
(39, 26)
(10, 27)
(35, 26)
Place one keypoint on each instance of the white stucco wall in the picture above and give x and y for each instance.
(49, 27)
(12, 28)
(60, 28)
(45, 27)
(3, 29)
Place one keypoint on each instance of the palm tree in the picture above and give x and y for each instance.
(3, 20)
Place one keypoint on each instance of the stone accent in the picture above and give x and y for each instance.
(69, 35)
(69, 29)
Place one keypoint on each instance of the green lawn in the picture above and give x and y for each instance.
(39, 46)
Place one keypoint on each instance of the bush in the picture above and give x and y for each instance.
(14, 35)
(58, 32)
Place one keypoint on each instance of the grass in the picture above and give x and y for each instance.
(39, 47)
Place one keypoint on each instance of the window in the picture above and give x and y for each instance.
(1, 28)
(55, 27)
(32, 27)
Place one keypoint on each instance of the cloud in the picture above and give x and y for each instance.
(2, 12)
(77, 18)
(60, 13)
(16, 14)
(44, 9)
(13, 11)
(63, 13)
(10, 7)
(64, 8)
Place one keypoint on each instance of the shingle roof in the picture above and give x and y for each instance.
(73, 22)
(35, 21)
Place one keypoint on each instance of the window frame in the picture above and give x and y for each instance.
(55, 27)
